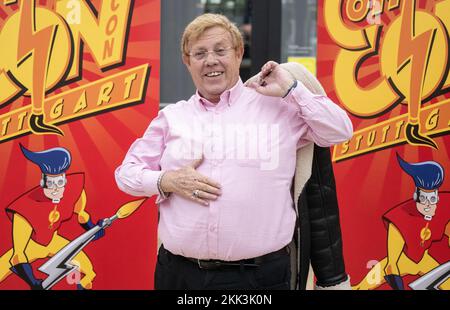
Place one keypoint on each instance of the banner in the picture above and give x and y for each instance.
(387, 64)
(79, 82)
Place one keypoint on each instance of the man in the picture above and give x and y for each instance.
(223, 162)
(414, 227)
(38, 214)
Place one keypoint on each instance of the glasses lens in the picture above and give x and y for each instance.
(422, 199)
(220, 52)
(60, 183)
(199, 55)
(56, 182)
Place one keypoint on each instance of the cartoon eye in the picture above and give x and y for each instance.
(433, 199)
(60, 183)
(422, 199)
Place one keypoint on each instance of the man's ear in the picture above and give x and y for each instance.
(186, 60)
(240, 53)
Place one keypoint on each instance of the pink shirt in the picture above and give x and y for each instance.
(249, 143)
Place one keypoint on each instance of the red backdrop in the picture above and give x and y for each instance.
(358, 46)
(117, 36)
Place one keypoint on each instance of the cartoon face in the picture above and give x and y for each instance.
(54, 186)
(427, 203)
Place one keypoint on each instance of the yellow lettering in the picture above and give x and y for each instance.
(95, 31)
(81, 103)
(111, 25)
(371, 138)
(358, 142)
(399, 126)
(105, 92)
(128, 83)
(108, 50)
(21, 118)
(346, 37)
(432, 120)
(114, 7)
(385, 132)
(5, 124)
(345, 147)
(57, 109)
(357, 10)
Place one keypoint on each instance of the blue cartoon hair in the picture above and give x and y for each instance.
(52, 161)
(428, 175)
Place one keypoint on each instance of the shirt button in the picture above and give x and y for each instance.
(212, 228)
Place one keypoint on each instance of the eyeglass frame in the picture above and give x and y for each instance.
(205, 53)
(54, 181)
(427, 196)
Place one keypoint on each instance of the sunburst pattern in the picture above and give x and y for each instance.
(97, 144)
(380, 183)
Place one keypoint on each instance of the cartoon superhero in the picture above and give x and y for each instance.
(413, 228)
(38, 214)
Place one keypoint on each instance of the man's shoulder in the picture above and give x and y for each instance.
(179, 105)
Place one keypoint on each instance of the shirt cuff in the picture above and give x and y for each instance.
(149, 180)
(302, 96)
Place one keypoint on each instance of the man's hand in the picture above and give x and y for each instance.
(273, 80)
(190, 184)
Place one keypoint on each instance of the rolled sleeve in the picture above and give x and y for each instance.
(318, 118)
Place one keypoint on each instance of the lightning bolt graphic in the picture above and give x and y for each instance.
(415, 51)
(38, 45)
(60, 264)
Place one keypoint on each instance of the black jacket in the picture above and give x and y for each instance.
(318, 235)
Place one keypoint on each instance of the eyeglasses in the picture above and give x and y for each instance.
(432, 197)
(203, 54)
(58, 182)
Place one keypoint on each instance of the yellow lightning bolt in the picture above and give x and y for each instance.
(415, 51)
(37, 44)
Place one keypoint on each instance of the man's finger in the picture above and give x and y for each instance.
(208, 181)
(205, 195)
(198, 200)
(209, 189)
(253, 85)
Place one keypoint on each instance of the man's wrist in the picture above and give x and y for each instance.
(294, 85)
(163, 192)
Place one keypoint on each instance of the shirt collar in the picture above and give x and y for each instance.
(228, 97)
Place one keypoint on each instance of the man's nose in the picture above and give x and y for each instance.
(211, 58)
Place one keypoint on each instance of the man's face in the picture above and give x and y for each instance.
(54, 186)
(213, 74)
(427, 203)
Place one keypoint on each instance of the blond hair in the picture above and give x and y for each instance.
(203, 22)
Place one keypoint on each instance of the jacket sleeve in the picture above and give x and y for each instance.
(326, 240)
